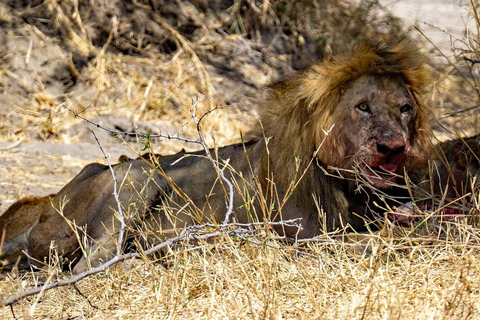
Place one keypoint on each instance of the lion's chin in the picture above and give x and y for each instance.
(383, 176)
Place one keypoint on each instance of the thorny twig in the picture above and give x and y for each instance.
(130, 134)
(121, 234)
(215, 163)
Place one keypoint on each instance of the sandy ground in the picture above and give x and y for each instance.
(442, 21)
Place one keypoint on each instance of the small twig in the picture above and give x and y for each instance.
(130, 134)
(83, 296)
(318, 240)
(472, 61)
(121, 234)
(457, 112)
(215, 163)
(13, 312)
(287, 223)
(13, 145)
(442, 54)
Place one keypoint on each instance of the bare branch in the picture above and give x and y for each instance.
(215, 163)
(130, 134)
(121, 234)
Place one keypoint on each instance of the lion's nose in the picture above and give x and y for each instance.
(390, 151)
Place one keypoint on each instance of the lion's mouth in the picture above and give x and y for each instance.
(388, 167)
(381, 176)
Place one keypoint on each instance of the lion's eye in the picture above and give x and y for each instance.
(405, 108)
(363, 107)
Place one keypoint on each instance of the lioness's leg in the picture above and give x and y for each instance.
(103, 250)
(141, 187)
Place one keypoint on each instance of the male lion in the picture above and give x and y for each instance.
(359, 111)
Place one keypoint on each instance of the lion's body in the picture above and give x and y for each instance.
(368, 100)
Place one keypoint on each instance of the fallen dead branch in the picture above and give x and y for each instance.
(192, 233)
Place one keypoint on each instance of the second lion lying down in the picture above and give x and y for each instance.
(359, 112)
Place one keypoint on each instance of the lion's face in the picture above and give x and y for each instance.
(378, 115)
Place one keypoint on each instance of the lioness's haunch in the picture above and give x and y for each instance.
(454, 168)
(360, 111)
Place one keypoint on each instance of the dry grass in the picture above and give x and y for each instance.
(228, 279)
(430, 271)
